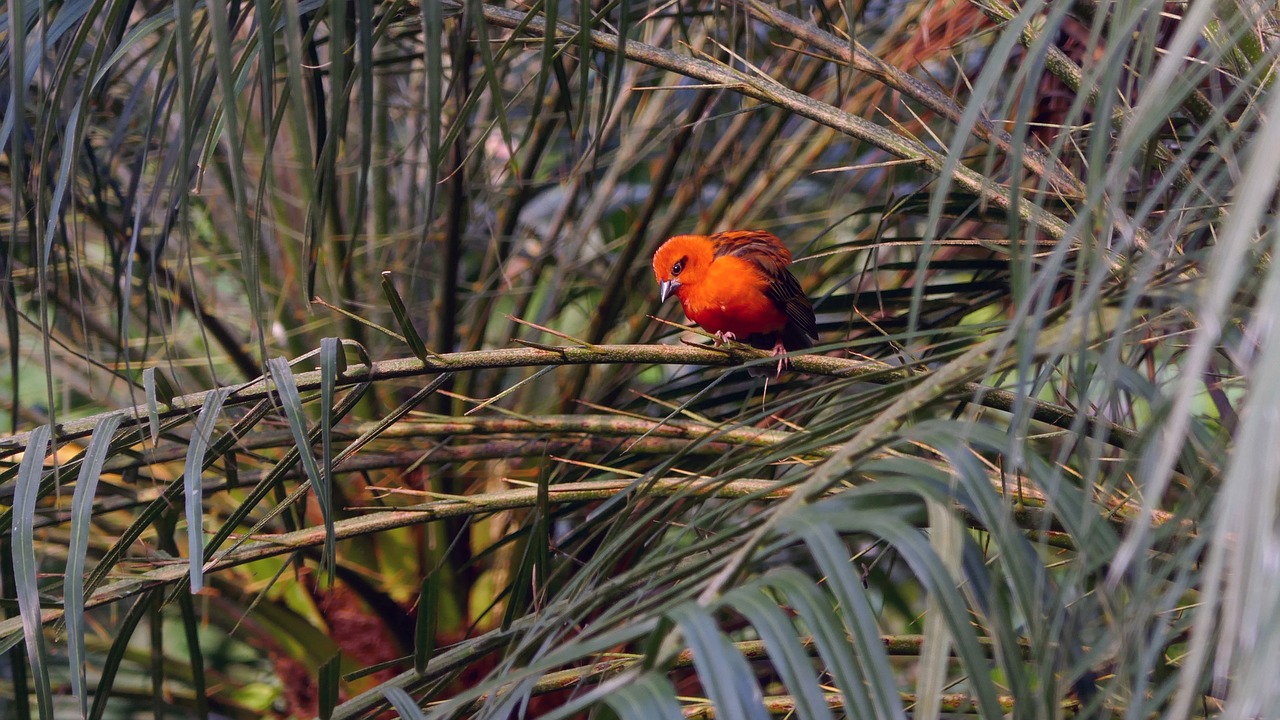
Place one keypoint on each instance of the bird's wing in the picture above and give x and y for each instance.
(758, 246)
(768, 253)
(785, 292)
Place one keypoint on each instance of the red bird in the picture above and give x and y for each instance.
(736, 285)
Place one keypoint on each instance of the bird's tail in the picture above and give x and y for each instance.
(796, 339)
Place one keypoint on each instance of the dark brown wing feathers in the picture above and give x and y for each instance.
(762, 247)
(767, 251)
(785, 292)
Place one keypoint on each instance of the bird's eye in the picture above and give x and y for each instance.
(675, 269)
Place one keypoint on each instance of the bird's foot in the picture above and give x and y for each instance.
(724, 338)
(779, 351)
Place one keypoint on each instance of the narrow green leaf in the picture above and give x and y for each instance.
(723, 672)
(331, 363)
(272, 479)
(165, 540)
(411, 335)
(77, 548)
(833, 559)
(433, 57)
(941, 586)
(333, 137)
(424, 635)
(329, 684)
(814, 607)
(493, 77)
(844, 513)
(193, 482)
(541, 538)
(403, 703)
(265, 46)
(583, 36)
(13, 125)
(191, 635)
(155, 624)
(25, 567)
(184, 57)
(123, 632)
(153, 412)
(171, 495)
(613, 88)
(70, 146)
(365, 65)
(548, 63)
(291, 401)
(1029, 585)
(652, 697)
(654, 641)
(524, 596)
(13, 636)
(8, 303)
(300, 129)
(250, 263)
(946, 538)
(778, 634)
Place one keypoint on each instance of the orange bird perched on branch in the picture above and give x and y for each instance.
(736, 285)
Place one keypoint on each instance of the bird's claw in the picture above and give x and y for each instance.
(779, 351)
(724, 338)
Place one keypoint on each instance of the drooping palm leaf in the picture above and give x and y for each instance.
(1026, 472)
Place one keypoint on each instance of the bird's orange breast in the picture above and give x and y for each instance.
(731, 298)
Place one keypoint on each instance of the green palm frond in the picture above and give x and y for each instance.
(338, 385)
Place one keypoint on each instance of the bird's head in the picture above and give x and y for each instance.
(682, 261)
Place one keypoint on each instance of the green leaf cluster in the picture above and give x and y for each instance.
(336, 383)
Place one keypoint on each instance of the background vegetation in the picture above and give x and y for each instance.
(337, 383)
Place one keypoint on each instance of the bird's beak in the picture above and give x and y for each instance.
(666, 288)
